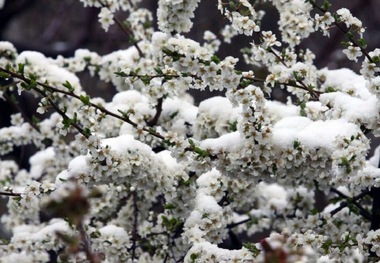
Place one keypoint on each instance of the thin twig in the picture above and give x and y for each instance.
(135, 225)
(154, 121)
(64, 116)
(72, 94)
(10, 194)
(126, 30)
(345, 31)
(232, 225)
(129, 33)
(92, 258)
(303, 85)
(353, 201)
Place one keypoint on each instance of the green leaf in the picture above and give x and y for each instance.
(296, 145)
(346, 164)
(274, 169)
(252, 248)
(169, 206)
(68, 86)
(349, 34)
(252, 221)
(85, 99)
(107, 242)
(146, 79)
(32, 76)
(4, 75)
(4, 241)
(375, 59)
(171, 223)
(66, 122)
(232, 5)
(126, 24)
(132, 39)
(232, 126)
(158, 70)
(205, 215)
(121, 74)
(326, 5)
(168, 143)
(194, 257)
(246, 82)
(95, 234)
(87, 132)
(185, 183)
(152, 130)
(330, 89)
(125, 114)
(75, 117)
(21, 68)
(147, 24)
(29, 85)
(35, 120)
(33, 84)
(174, 114)
(346, 43)
(215, 59)
(362, 42)
(327, 244)
(303, 109)
(167, 51)
(200, 152)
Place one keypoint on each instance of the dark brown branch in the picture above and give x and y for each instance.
(126, 30)
(154, 121)
(232, 225)
(303, 85)
(135, 225)
(64, 116)
(353, 201)
(375, 217)
(129, 33)
(10, 194)
(86, 248)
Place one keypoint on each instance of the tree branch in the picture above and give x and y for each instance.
(154, 121)
(353, 201)
(10, 194)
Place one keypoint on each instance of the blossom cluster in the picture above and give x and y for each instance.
(151, 177)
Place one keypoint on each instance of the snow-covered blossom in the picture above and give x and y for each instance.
(370, 68)
(152, 176)
(294, 22)
(8, 52)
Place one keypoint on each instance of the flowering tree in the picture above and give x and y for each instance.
(149, 177)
